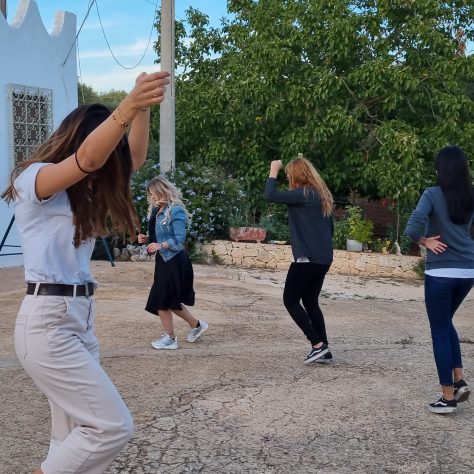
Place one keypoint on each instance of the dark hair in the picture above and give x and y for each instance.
(101, 194)
(455, 180)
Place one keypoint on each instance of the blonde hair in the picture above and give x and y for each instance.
(302, 174)
(161, 188)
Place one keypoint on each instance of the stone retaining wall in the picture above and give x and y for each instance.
(246, 254)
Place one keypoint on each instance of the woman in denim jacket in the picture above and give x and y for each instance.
(173, 280)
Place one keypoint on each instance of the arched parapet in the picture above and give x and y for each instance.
(38, 88)
(29, 24)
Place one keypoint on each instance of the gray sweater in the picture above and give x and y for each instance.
(430, 218)
(310, 231)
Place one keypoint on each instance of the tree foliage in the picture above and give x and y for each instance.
(87, 95)
(208, 194)
(368, 90)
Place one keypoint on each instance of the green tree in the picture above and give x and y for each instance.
(87, 95)
(368, 90)
(112, 98)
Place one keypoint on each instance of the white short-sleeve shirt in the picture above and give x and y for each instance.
(47, 235)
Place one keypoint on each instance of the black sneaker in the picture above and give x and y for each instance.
(443, 406)
(461, 391)
(325, 359)
(316, 353)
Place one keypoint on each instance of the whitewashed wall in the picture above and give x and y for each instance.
(31, 56)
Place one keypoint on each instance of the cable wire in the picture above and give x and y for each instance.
(79, 31)
(107, 41)
(80, 73)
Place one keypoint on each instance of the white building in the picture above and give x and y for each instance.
(38, 88)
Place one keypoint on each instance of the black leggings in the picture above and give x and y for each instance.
(303, 283)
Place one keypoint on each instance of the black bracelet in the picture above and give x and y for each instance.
(79, 166)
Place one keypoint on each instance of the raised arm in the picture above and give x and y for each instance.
(99, 144)
(138, 138)
(282, 197)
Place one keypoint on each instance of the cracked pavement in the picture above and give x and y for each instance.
(241, 400)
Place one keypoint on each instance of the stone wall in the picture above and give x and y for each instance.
(246, 254)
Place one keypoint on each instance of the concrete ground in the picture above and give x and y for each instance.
(241, 400)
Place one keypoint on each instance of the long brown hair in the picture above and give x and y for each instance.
(101, 196)
(302, 174)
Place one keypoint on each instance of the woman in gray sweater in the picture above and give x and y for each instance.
(441, 222)
(310, 205)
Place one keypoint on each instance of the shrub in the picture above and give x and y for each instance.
(275, 222)
(358, 228)
(139, 182)
(380, 245)
(419, 268)
(340, 234)
(210, 197)
(406, 244)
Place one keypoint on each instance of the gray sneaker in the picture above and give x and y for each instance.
(165, 342)
(316, 353)
(325, 359)
(197, 332)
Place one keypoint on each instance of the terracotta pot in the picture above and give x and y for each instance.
(247, 233)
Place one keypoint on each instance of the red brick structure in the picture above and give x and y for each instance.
(381, 212)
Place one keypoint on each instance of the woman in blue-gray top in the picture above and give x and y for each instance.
(310, 206)
(173, 280)
(441, 222)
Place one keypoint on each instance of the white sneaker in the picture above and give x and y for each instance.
(165, 342)
(197, 332)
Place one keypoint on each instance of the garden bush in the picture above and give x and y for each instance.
(209, 195)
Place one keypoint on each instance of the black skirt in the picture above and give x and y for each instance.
(172, 284)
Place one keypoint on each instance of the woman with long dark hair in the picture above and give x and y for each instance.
(441, 222)
(310, 206)
(64, 196)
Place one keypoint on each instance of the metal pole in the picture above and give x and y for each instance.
(167, 108)
(2, 243)
(107, 251)
(3, 7)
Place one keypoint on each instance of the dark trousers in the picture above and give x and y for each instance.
(443, 297)
(302, 287)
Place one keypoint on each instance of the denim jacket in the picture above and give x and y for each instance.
(170, 229)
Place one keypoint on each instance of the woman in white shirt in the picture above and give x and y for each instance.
(64, 196)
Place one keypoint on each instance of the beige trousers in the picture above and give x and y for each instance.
(57, 347)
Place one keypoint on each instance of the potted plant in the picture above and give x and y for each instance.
(359, 230)
(277, 228)
(240, 229)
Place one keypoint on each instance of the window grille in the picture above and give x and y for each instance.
(31, 119)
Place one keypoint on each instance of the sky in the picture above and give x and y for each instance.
(127, 25)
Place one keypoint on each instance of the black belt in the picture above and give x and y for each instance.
(58, 289)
